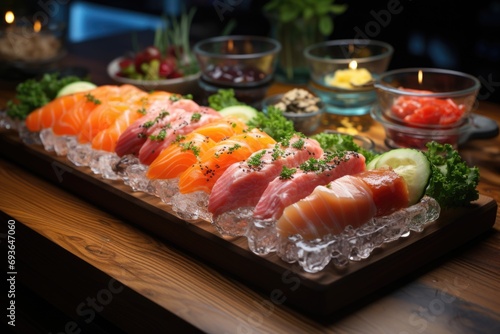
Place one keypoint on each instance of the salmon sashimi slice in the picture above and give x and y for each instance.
(106, 139)
(186, 121)
(351, 200)
(179, 156)
(284, 191)
(104, 115)
(242, 184)
(70, 123)
(46, 116)
(100, 119)
(222, 128)
(203, 175)
(158, 114)
(185, 150)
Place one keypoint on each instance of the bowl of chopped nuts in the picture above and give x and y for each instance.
(300, 106)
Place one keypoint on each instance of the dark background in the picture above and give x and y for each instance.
(457, 35)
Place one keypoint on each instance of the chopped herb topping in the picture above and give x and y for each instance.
(160, 136)
(234, 148)
(179, 138)
(190, 146)
(92, 98)
(255, 159)
(277, 152)
(299, 144)
(287, 173)
(148, 124)
(142, 111)
(196, 117)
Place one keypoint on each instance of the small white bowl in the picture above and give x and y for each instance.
(184, 85)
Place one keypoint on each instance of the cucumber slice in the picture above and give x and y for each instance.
(412, 165)
(245, 113)
(76, 87)
(373, 163)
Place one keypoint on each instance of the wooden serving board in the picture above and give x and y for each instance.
(317, 294)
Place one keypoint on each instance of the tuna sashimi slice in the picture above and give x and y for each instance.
(351, 200)
(186, 122)
(132, 139)
(242, 184)
(282, 192)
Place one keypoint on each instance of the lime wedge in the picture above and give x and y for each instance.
(76, 87)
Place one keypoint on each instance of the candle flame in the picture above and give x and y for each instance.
(230, 45)
(420, 76)
(37, 26)
(353, 65)
(9, 17)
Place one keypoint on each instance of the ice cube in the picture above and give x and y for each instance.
(80, 155)
(47, 138)
(62, 144)
(166, 189)
(262, 236)
(191, 206)
(234, 222)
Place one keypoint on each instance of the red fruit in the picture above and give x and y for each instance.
(126, 62)
(167, 67)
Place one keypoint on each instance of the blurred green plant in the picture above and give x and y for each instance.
(320, 11)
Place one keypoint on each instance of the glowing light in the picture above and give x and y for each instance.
(420, 77)
(9, 17)
(37, 26)
(353, 65)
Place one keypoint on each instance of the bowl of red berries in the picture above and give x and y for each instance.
(167, 64)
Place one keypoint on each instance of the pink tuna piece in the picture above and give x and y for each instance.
(242, 184)
(281, 193)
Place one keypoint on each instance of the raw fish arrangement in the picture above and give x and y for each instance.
(293, 195)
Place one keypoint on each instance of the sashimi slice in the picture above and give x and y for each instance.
(203, 175)
(185, 150)
(70, 123)
(242, 184)
(46, 116)
(186, 121)
(132, 139)
(100, 118)
(282, 192)
(222, 128)
(350, 200)
(106, 139)
(106, 114)
(179, 156)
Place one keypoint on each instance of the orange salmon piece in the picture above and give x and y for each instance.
(203, 175)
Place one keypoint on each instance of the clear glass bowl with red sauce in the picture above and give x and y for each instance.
(418, 105)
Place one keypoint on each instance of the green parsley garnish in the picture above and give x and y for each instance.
(189, 146)
(453, 183)
(160, 136)
(287, 173)
(255, 159)
(222, 99)
(92, 98)
(195, 117)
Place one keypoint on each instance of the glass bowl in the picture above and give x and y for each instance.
(183, 85)
(305, 122)
(31, 48)
(426, 97)
(342, 73)
(399, 135)
(238, 61)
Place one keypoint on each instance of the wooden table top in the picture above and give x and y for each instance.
(99, 273)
